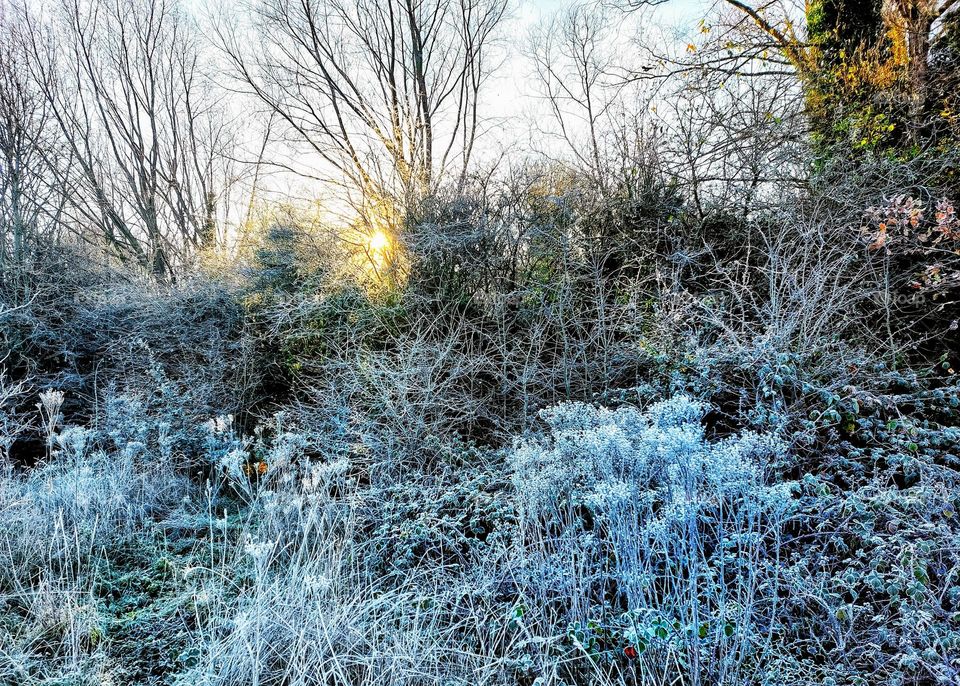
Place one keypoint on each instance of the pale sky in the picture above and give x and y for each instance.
(510, 98)
(509, 103)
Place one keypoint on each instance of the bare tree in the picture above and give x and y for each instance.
(124, 85)
(770, 33)
(730, 137)
(383, 93)
(905, 28)
(28, 203)
(575, 62)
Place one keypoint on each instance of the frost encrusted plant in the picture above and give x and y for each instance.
(594, 454)
(283, 457)
(125, 421)
(10, 425)
(680, 521)
(590, 450)
(227, 452)
(74, 442)
(50, 403)
(321, 477)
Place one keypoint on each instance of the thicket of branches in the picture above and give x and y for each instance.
(303, 380)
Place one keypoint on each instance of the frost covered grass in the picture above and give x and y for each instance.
(62, 522)
(608, 545)
(303, 571)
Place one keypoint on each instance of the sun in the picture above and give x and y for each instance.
(376, 253)
(378, 242)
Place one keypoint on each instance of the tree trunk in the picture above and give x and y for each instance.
(918, 52)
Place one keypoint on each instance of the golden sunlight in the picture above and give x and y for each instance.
(376, 252)
(378, 242)
(378, 259)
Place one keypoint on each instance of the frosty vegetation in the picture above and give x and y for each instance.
(313, 372)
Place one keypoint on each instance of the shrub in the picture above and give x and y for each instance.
(659, 546)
